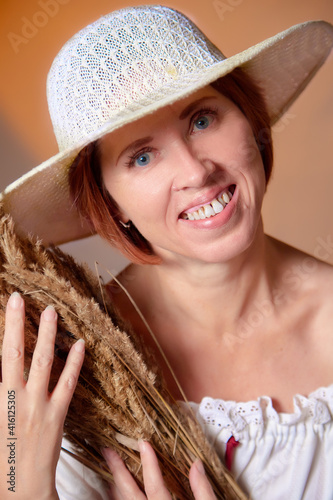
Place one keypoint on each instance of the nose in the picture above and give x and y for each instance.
(192, 168)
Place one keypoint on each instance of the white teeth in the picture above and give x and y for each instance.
(208, 211)
(225, 197)
(217, 206)
(214, 207)
(201, 213)
(221, 200)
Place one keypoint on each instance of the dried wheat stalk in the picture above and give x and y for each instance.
(120, 396)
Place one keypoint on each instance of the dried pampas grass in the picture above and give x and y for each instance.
(120, 396)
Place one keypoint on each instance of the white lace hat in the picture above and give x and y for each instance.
(128, 64)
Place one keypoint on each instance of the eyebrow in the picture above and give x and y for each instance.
(135, 145)
(193, 105)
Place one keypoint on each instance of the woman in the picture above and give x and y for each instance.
(166, 149)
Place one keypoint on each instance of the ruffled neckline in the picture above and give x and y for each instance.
(233, 417)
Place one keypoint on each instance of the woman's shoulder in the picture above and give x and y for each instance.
(305, 284)
(127, 291)
(305, 296)
(305, 270)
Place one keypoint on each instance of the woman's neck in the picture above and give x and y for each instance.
(207, 295)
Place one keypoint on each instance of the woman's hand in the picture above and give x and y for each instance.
(31, 419)
(125, 487)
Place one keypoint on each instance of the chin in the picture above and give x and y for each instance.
(231, 246)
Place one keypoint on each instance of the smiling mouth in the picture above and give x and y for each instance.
(212, 208)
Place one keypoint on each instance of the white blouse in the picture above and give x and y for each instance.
(280, 456)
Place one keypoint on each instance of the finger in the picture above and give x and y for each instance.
(201, 487)
(152, 475)
(64, 390)
(125, 487)
(114, 493)
(13, 343)
(42, 359)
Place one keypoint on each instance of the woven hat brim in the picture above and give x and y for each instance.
(282, 65)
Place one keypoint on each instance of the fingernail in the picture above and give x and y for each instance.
(49, 313)
(142, 445)
(15, 300)
(106, 452)
(200, 467)
(110, 456)
(79, 346)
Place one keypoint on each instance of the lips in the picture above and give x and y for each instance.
(212, 208)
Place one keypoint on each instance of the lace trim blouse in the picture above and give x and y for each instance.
(279, 455)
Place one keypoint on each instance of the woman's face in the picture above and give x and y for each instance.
(189, 176)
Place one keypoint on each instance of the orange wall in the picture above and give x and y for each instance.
(299, 204)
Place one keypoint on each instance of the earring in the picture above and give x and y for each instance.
(126, 225)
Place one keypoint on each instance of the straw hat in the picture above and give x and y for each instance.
(130, 63)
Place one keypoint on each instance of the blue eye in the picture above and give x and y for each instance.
(202, 122)
(204, 118)
(142, 160)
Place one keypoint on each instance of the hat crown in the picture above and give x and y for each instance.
(117, 62)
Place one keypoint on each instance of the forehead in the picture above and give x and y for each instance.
(181, 104)
(160, 116)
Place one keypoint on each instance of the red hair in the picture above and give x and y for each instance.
(95, 203)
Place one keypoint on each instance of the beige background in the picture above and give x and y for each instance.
(298, 204)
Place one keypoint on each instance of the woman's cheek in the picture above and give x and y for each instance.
(248, 150)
